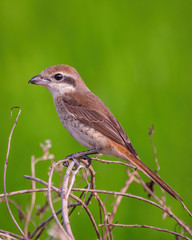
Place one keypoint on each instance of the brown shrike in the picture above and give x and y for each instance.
(88, 119)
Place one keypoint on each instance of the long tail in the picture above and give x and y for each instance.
(146, 170)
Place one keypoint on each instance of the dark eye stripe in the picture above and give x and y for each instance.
(69, 80)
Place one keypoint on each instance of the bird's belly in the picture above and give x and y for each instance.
(85, 135)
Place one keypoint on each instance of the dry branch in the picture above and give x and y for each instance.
(65, 193)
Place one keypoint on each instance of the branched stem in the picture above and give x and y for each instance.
(66, 194)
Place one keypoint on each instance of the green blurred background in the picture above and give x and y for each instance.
(137, 57)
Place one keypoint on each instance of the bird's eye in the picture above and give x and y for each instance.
(58, 76)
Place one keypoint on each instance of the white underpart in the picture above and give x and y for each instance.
(60, 89)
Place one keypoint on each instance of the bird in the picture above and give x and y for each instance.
(89, 121)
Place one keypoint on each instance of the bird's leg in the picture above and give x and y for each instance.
(83, 154)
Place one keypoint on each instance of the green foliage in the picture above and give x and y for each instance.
(136, 56)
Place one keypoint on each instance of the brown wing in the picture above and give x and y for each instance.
(107, 125)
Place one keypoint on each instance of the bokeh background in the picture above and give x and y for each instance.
(137, 57)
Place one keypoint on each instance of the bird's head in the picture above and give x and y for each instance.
(59, 79)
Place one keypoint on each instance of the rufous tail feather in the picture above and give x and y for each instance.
(153, 176)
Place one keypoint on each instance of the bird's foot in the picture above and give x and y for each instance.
(83, 154)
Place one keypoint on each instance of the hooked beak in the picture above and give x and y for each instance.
(38, 80)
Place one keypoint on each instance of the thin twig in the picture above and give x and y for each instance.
(24, 191)
(10, 234)
(151, 131)
(64, 200)
(33, 184)
(5, 170)
(114, 162)
(46, 156)
(108, 231)
(92, 181)
(150, 227)
(50, 200)
(190, 214)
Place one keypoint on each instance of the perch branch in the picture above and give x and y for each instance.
(50, 200)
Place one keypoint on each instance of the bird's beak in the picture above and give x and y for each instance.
(38, 80)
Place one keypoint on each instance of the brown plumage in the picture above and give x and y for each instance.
(89, 120)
